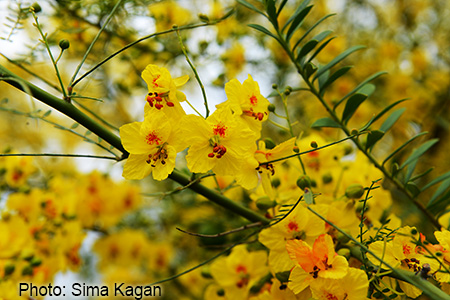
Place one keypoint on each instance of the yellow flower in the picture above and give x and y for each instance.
(299, 224)
(353, 286)
(153, 145)
(246, 101)
(221, 143)
(234, 60)
(319, 261)
(162, 91)
(238, 272)
(168, 13)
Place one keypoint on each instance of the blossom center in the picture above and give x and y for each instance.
(253, 100)
(220, 130)
(158, 99)
(292, 226)
(152, 138)
(154, 81)
(256, 115)
(218, 151)
(406, 250)
(160, 155)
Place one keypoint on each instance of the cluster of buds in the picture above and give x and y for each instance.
(157, 100)
(218, 151)
(258, 116)
(160, 154)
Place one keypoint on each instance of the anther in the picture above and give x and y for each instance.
(211, 155)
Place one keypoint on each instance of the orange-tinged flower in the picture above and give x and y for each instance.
(246, 101)
(221, 143)
(162, 91)
(153, 145)
(320, 260)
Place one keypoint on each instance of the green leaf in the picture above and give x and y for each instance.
(280, 8)
(409, 170)
(297, 11)
(334, 77)
(380, 114)
(323, 78)
(325, 122)
(320, 48)
(418, 152)
(359, 86)
(390, 121)
(272, 12)
(412, 188)
(74, 125)
(440, 190)
(439, 205)
(264, 30)
(88, 132)
(337, 60)
(250, 6)
(47, 113)
(436, 180)
(311, 29)
(297, 22)
(373, 137)
(352, 105)
(310, 45)
(402, 146)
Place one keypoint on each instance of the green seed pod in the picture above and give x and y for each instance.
(270, 144)
(265, 203)
(64, 44)
(354, 191)
(327, 178)
(304, 182)
(271, 107)
(9, 268)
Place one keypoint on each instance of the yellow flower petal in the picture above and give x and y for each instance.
(136, 167)
(132, 139)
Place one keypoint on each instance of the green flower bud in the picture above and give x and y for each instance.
(354, 132)
(354, 191)
(342, 238)
(27, 254)
(274, 86)
(270, 144)
(344, 252)
(27, 270)
(296, 149)
(271, 107)
(276, 182)
(35, 261)
(304, 182)
(327, 178)
(64, 44)
(9, 268)
(265, 203)
(220, 293)
(36, 7)
(348, 149)
(203, 17)
(206, 272)
(314, 144)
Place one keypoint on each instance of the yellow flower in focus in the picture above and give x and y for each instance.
(351, 287)
(222, 143)
(246, 101)
(318, 261)
(162, 91)
(153, 145)
(299, 224)
(168, 13)
(238, 272)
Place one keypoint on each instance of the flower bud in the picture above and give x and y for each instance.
(271, 107)
(354, 132)
(35, 261)
(9, 268)
(64, 44)
(283, 276)
(276, 182)
(327, 178)
(202, 17)
(354, 191)
(27, 270)
(206, 272)
(296, 149)
(304, 182)
(314, 144)
(344, 252)
(270, 144)
(274, 86)
(27, 254)
(36, 7)
(265, 203)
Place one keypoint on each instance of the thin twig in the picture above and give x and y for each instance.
(242, 228)
(58, 155)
